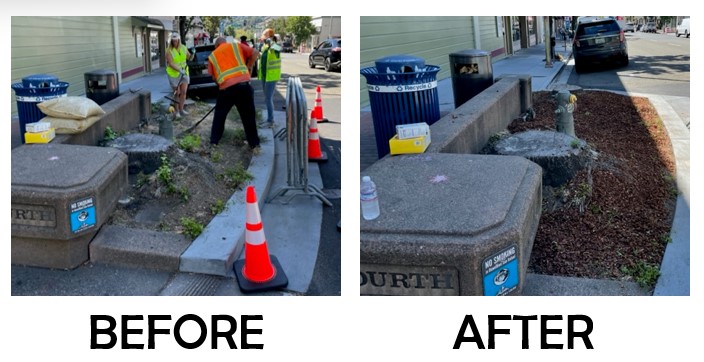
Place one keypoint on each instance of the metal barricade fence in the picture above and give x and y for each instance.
(296, 133)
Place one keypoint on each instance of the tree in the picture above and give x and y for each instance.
(278, 25)
(185, 23)
(211, 24)
(301, 28)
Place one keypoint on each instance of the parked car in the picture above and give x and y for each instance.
(629, 27)
(597, 42)
(683, 28)
(650, 28)
(287, 47)
(328, 54)
(198, 68)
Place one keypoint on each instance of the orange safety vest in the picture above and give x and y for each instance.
(228, 62)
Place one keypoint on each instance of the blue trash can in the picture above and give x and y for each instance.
(402, 90)
(33, 90)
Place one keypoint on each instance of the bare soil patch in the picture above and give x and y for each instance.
(195, 180)
(613, 219)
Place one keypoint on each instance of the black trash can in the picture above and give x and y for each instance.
(102, 85)
(471, 74)
(402, 90)
(33, 90)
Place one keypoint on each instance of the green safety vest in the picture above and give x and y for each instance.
(179, 57)
(270, 64)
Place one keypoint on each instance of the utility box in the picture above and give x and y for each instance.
(402, 90)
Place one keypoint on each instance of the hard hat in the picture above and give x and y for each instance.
(268, 33)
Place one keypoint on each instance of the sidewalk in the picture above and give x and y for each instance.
(674, 279)
(292, 230)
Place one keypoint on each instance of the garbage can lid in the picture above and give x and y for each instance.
(400, 64)
(40, 81)
(470, 53)
(100, 72)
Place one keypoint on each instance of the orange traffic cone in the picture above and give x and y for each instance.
(315, 153)
(318, 110)
(258, 271)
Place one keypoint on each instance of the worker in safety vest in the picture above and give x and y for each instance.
(269, 71)
(177, 71)
(230, 65)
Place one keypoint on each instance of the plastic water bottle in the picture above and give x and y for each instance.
(369, 199)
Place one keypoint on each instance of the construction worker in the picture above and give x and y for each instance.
(269, 71)
(230, 65)
(177, 71)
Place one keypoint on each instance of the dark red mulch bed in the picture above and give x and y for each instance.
(626, 213)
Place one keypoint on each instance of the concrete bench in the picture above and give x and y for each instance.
(453, 222)
(61, 195)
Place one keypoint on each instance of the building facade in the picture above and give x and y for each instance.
(434, 38)
(69, 47)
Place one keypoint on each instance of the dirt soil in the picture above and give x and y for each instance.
(613, 218)
(194, 183)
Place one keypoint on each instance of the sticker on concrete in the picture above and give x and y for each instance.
(501, 272)
(379, 279)
(82, 214)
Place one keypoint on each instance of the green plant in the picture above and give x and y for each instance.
(233, 177)
(574, 143)
(217, 207)
(216, 155)
(189, 143)
(666, 239)
(191, 227)
(183, 192)
(645, 274)
(109, 134)
(163, 173)
(582, 193)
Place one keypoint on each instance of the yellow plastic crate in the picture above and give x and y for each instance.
(409, 145)
(40, 137)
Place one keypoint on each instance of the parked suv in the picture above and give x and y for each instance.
(599, 41)
(198, 68)
(328, 54)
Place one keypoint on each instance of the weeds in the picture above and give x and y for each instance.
(189, 143)
(645, 274)
(217, 207)
(216, 155)
(191, 227)
(110, 134)
(233, 177)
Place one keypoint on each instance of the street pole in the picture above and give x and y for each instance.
(548, 55)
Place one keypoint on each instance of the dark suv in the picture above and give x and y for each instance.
(328, 54)
(599, 41)
(198, 68)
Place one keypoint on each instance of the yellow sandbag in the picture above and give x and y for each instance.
(71, 108)
(70, 126)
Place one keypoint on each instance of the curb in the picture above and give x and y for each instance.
(214, 250)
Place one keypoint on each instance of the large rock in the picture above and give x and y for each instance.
(450, 224)
(560, 155)
(143, 150)
(61, 195)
